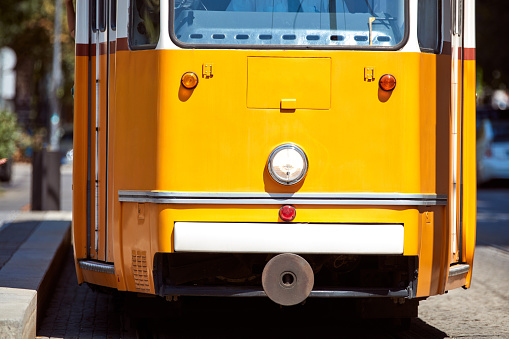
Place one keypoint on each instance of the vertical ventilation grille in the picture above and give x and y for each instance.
(140, 271)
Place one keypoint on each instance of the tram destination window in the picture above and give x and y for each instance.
(144, 25)
(428, 25)
(304, 23)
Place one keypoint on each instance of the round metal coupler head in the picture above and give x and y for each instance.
(288, 279)
(288, 164)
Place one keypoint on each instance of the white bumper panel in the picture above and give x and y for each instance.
(288, 238)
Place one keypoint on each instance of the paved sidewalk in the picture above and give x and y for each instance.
(32, 248)
(481, 311)
(78, 311)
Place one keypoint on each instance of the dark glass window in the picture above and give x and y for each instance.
(428, 25)
(113, 13)
(102, 15)
(93, 15)
(378, 23)
(144, 25)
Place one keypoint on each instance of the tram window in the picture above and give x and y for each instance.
(102, 15)
(144, 25)
(93, 22)
(113, 13)
(428, 25)
(324, 20)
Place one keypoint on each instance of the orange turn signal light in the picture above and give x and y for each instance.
(189, 80)
(387, 82)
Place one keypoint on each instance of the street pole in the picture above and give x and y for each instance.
(46, 163)
(56, 81)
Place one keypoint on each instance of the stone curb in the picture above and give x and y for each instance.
(27, 278)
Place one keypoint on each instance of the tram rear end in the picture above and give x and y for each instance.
(256, 151)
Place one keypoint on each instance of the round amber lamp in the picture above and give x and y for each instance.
(189, 80)
(387, 82)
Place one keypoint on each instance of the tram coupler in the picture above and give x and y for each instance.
(288, 279)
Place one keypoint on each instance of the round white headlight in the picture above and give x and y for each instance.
(288, 164)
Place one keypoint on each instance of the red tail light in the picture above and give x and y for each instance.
(287, 213)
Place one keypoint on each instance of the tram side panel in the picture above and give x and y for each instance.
(82, 98)
(135, 162)
(469, 172)
(80, 139)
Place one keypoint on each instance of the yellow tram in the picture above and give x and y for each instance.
(285, 148)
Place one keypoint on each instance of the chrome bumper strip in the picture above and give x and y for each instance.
(392, 199)
(97, 267)
(259, 292)
(458, 269)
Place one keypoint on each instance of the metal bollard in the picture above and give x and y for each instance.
(46, 180)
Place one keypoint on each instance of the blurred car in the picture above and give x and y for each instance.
(492, 146)
(66, 143)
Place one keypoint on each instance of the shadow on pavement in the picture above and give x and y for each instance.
(78, 311)
(12, 236)
(242, 318)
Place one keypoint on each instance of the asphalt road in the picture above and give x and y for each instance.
(15, 196)
(493, 215)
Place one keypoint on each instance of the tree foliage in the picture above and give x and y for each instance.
(26, 26)
(8, 134)
(492, 54)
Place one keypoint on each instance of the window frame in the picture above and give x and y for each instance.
(186, 45)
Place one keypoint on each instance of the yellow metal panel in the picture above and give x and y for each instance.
(431, 247)
(290, 104)
(364, 143)
(136, 101)
(469, 170)
(207, 140)
(113, 213)
(306, 80)
(167, 215)
(433, 258)
(79, 191)
(136, 237)
(103, 146)
(155, 233)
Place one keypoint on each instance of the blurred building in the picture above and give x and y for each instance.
(7, 78)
